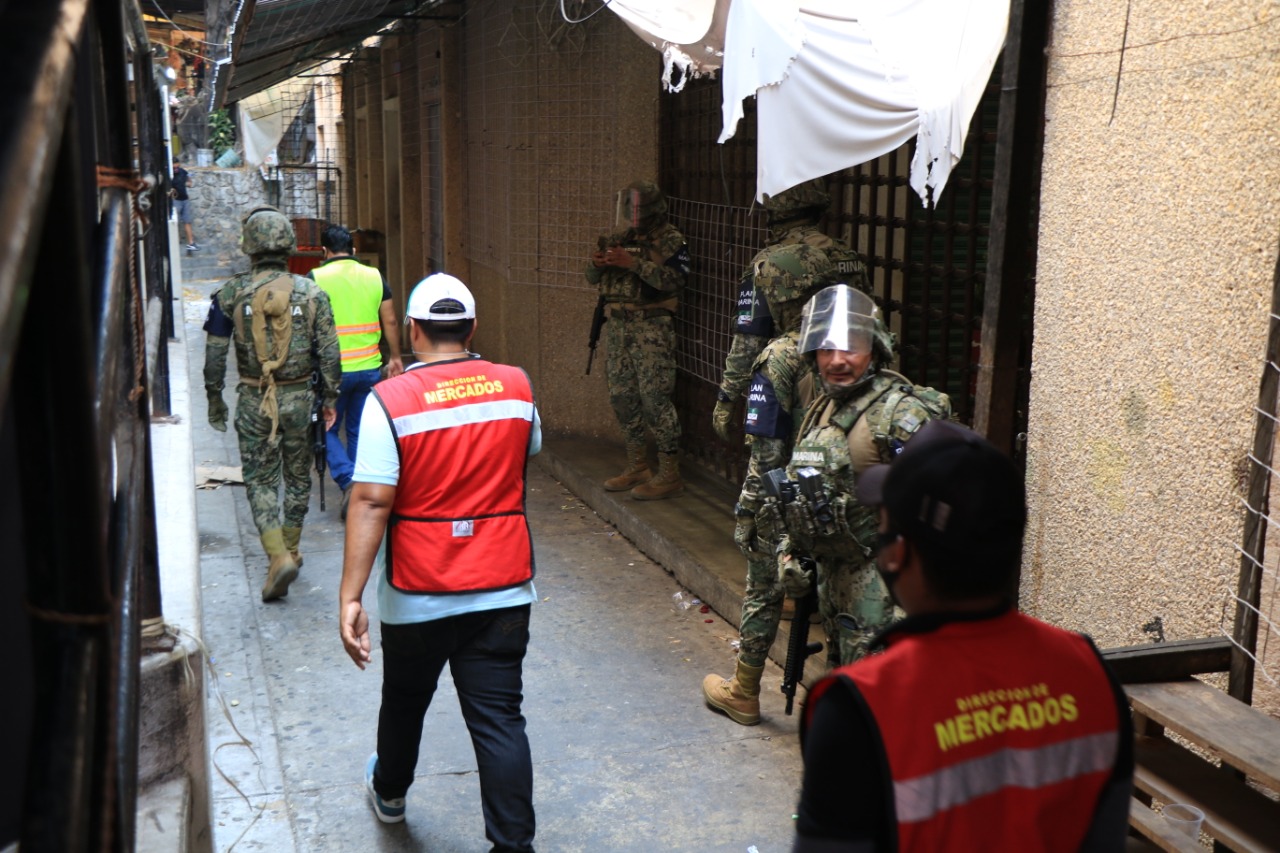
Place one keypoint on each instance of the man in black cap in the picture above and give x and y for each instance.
(974, 726)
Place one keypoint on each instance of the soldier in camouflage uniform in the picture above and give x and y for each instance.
(793, 219)
(282, 327)
(782, 386)
(640, 272)
(863, 415)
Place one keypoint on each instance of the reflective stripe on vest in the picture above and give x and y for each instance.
(355, 293)
(925, 797)
(462, 433)
(999, 733)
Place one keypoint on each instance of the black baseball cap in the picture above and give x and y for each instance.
(953, 489)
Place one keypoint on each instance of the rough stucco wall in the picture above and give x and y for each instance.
(557, 118)
(1157, 249)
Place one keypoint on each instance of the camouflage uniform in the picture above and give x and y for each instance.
(640, 304)
(275, 398)
(846, 430)
(781, 388)
(842, 436)
(793, 219)
(749, 339)
(784, 368)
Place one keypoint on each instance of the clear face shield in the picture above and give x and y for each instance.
(626, 208)
(839, 318)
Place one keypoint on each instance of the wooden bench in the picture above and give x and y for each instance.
(1245, 739)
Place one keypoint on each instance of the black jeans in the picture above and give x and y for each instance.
(485, 652)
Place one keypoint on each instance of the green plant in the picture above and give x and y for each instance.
(222, 132)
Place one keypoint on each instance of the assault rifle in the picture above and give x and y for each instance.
(783, 490)
(798, 646)
(318, 439)
(597, 323)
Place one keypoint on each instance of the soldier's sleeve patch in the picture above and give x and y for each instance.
(681, 260)
(217, 323)
(910, 423)
(753, 312)
(766, 417)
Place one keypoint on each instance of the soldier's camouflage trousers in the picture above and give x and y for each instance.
(641, 369)
(854, 605)
(761, 608)
(263, 462)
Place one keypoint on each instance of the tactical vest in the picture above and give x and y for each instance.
(842, 438)
(355, 293)
(626, 286)
(999, 733)
(264, 332)
(274, 316)
(458, 521)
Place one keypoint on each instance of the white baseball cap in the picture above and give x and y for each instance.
(440, 296)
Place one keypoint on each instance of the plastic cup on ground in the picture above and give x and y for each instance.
(1186, 819)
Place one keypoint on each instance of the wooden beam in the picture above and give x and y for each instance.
(1169, 661)
(1010, 248)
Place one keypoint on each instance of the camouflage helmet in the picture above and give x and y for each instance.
(641, 201)
(812, 195)
(267, 231)
(786, 276)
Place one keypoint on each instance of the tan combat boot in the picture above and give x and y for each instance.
(637, 471)
(666, 484)
(282, 570)
(738, 697)
(292, 535)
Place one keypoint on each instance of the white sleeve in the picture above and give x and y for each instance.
(377, 459)
(535, 434)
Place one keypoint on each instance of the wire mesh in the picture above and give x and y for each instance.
(1249, 611)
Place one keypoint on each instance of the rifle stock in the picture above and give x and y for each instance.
(798, 646)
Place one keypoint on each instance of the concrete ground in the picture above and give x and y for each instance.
(626, 755)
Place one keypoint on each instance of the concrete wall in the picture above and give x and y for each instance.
(540, 123)
(1157, 248)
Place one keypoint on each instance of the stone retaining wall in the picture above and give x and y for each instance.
(219, 200)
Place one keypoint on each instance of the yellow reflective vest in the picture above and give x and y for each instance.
(355, 292)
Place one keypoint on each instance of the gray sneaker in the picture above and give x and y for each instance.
(388, 811)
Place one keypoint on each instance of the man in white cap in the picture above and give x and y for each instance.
(438, 505)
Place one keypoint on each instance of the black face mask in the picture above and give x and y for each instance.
(890, 579)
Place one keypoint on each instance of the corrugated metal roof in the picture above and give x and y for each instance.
(273, 40)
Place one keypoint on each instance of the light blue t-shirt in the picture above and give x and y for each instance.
(378, 462)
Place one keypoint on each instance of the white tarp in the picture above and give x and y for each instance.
(841, 82)
(689, 34)
(266, 115)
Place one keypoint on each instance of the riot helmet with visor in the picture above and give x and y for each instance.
(839, 317)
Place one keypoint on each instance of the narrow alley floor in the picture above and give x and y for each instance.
(626, 756)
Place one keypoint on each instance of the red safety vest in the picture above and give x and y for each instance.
(1000, 733)
(462, 432)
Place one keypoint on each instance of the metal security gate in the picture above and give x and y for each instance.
(928, 265)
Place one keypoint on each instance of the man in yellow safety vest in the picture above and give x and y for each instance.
(363, 314)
